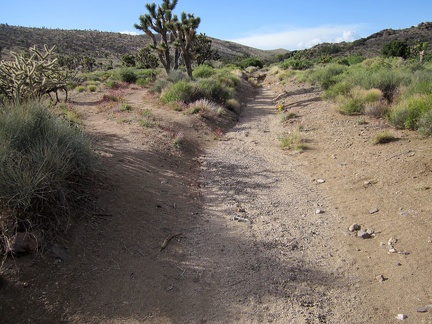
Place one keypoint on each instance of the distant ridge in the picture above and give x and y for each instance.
(111, 46)
(102, 45)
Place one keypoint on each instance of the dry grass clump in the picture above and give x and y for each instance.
(383, 138)
(42, 158)
(293, 141)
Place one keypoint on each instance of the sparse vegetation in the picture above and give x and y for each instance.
(383, 138)
(293, 141)
(41, 158)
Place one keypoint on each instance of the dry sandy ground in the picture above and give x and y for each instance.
(226, 229)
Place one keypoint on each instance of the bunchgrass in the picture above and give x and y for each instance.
(383, 138)
(292, 141)
(41, 159)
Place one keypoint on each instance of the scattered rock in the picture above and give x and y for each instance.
(401, 317)
(354, 227)
(373, 211)
(380, 278)
(392, 250)
(241, 219)
(363, 234)
(319, 211)
(421, 310)
(392, 241)
(320, 181)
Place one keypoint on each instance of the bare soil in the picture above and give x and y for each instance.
(224, 226)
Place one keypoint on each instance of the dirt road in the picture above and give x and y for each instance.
(240, 233)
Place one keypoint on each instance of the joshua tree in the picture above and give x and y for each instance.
(185, 32)
(176, 36)
(202, 49)
(158, 20)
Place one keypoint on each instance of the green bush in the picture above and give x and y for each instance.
(408, 112)
(396, 49)
(383, 138)
(296, 64)
(182, 91)
(213, 90)
(233, 105)
(41, 157)
(203, 71)
(336, 90)
(325, 75)
(91, 88)
(250, 61)
(80, 88)
(425, 124)
(350, 106)
(128, 75)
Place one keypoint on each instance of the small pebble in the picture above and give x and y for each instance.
(422, 310)
(363, 234)
(401, 317)
(320, 181)
(373, 211)
(319, 211)
(354, 227)
(392, 251)
(380, 278)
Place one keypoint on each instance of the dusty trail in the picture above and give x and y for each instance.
(247, 244)
(261, 252)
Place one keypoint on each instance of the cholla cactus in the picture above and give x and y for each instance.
(31, 77)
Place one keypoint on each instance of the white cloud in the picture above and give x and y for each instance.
(301, 38)
(129, 32)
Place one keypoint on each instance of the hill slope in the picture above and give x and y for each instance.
(102, 45)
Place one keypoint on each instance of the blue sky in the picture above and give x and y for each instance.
(267, 24)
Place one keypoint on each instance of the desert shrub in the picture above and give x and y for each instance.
(357, 99)
(228, 79)
(396, 49)
(425, 124)
(213, 90)
(127, 75)
(92, 88)
(176, 76)
(336, 90)
(203, 71)
(409, 111)
(182, 91)
(355, 59)
(325, 75)
(233, 105)
(111, 84)
(204, 106)
(41, 158)
(147, 74)
(125, 107)
(80, 88)
(293, 141)
(250, 61)
(376, 109)
(385, 78)
(366, 95)
(296, 64)
(350, 106)
(383, 138)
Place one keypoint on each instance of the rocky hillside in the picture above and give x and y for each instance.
(102, 45)
(106, 45)
(372, 45)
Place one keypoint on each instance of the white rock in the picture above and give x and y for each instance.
(401, 317)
